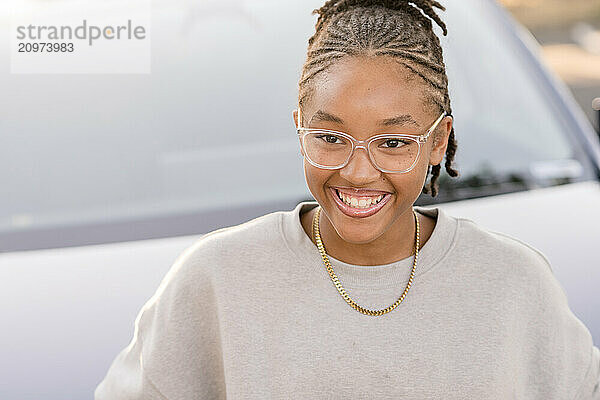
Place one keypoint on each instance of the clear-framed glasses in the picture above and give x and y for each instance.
(390, 153)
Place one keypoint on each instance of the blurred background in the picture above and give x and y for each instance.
(569, 35)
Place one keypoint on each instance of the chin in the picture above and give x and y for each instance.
(355, 231)
(357, 237)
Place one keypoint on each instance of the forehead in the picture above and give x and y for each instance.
(369, 86)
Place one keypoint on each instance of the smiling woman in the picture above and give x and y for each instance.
(364, 93)
(307, 303)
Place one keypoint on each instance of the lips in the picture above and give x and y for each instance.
(360, 212)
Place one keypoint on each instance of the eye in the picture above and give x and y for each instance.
(394, 143)
(332, 139)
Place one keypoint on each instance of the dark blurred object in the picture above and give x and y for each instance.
(596, 107)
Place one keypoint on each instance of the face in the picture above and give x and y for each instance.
(360, 93)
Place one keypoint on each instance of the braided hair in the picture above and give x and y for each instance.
(398, 28)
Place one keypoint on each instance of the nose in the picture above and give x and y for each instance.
(360, 170)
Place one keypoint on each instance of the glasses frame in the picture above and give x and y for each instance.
(420, 139)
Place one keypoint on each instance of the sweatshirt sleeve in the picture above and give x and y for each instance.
(175, 352)
(590, 387)
(569, 359)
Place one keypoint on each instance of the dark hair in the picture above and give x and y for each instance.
(394, 28)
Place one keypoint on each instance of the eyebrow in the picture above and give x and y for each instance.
(401, 119)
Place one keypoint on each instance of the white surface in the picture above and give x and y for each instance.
(67, 312)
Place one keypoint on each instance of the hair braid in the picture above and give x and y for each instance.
(401, 29)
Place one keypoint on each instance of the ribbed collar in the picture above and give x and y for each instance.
(373, 276)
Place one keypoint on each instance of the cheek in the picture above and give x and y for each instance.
(408, 186)
(403, 183)
(420, 169)
(316, 178)
(420, 173)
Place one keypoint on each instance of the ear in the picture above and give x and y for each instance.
(295, 117)
(440, 142)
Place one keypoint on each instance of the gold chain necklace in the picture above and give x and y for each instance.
(336, 281)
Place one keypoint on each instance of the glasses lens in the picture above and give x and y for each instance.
(326, 148)
(390, 153)
(394, 153)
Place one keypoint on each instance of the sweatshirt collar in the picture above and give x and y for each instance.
(374, 276)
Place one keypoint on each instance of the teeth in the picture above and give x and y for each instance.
(359, 202)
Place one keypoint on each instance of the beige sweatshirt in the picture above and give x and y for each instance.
(249, 312)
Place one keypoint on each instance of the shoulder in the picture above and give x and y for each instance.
(194, 276)
(231, 239)
(501, 254)
(552, 338)
(504, 246)
(225, 246)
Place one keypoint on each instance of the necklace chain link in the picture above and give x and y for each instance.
(337, 283)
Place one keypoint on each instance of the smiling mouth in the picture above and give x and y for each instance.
(359, 205)
(356, 201)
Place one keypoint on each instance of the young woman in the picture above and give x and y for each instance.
(361, 294)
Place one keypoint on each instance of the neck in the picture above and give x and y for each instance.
(396, 243)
